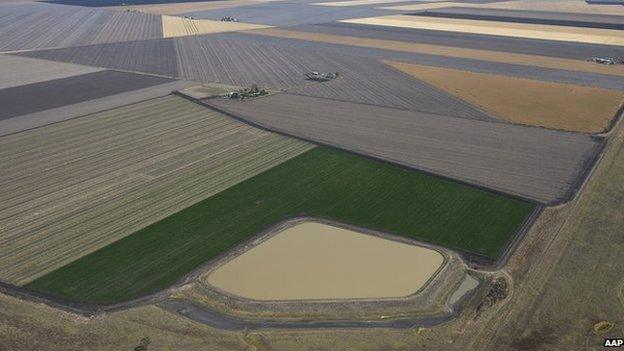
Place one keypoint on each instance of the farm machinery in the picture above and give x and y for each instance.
(606, 60)
(321, 76)
(228, 19)
(242, 94)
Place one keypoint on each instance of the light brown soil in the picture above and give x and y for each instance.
(569, 6)
(484, 55)
(317, 261)
(525, 101)
(179, 26)
(518, 30)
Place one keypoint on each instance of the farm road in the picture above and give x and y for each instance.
(221, 321)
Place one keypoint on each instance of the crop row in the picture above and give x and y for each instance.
(77, 186)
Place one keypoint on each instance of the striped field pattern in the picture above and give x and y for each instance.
(77, 186)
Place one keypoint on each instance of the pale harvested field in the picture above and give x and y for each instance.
(476, 54)
(16, 71)
(524, 101)
(517, 30)
(76, 186)
(180, 27)
(317, 261)
(569, 6)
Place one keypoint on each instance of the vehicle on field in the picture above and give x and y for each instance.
(252, 92)
(229, 19)
(606, 60)
(321, 76)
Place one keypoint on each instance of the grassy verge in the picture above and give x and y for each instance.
(322, 182)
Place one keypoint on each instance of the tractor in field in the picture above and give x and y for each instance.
(321, 77)
(228, 19)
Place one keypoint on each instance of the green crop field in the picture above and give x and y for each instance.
(322, 182)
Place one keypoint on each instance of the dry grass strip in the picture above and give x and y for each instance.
(525, 101)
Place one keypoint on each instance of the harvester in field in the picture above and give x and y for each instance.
(321, 76)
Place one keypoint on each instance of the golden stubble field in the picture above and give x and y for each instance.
(525, 101)
(173, 26)
(312, 260)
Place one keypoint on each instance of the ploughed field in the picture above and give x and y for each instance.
(323, 183)
(73, 187)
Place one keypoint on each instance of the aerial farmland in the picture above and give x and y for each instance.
(300, 175)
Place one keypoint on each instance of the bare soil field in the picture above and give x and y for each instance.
(567, 6)
(524, 101)
(374, 83)
(54, 93)
(148, 56)
(570, 50)
(179, 27)
(39, 25)
(521, 30)
(468, 53)
(287, 13)
(79, 185)
(534, 163)
(313, 260)
(535, 17)
(16, 71)
(246, 62)
(67, 112)
(184, 7)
